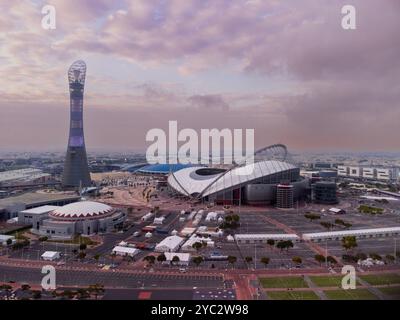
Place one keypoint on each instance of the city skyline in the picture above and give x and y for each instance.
(287, 70)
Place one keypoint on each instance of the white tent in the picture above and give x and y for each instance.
(169, 244)
(123, 251)
(51, 255)
(184, 258)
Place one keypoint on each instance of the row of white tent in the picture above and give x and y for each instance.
(174, 243)
(320, 236)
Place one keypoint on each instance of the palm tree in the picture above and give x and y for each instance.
(319, 258)
(349, 242)
(197, 260)
(271, 242)
(82, 294)
(265, 261)
(175, 259)
(161, 258)
(7, 288)
(97, 257)
(81, 255)
(232, 260)
(197, 246)
(331, 260)
(96, 289)
(25, 287)
(248, 259)
(149, 259)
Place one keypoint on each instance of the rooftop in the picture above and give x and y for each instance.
(40, 210)
(36, 198)
(279, 236)
(21, 174)
(163, 168)
(171, 242)
(82, 209)
(350, 233)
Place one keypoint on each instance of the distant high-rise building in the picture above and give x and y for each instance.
(76, 171)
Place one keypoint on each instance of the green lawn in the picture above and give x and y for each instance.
(283, 282)
(327, 281)
(357, 294)
(77, 240)
(292, 295)
(392, 292)
(381, 279)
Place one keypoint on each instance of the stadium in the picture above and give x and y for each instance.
(253, 184)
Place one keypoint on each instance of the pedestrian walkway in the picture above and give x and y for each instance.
(316, 289)
(373, 290)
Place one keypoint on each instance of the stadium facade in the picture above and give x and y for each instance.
(239, 185)
(76, 171)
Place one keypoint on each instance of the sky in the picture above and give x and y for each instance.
(286, 69)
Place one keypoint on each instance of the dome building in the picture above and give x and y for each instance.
(84, 217)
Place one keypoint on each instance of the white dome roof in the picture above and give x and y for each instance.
(82, 209)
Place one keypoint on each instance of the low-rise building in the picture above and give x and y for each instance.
(184, 258)
(10, 206)
(6, 238)
(185, 232)
(35, 216)
(51, 255)
(359, 234)
(263, 238)
(169, 244)
(125, 251)
(337, 211)
(188, 245)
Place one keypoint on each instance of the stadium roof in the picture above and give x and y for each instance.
(205, 181)
(163, 168)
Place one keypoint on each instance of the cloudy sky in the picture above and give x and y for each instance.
(285, 68)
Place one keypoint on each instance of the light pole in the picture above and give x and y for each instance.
(255, 256)
(326, 253)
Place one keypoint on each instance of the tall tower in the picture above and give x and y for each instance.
(76, 170)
